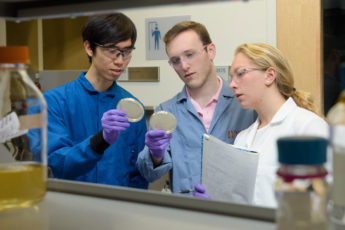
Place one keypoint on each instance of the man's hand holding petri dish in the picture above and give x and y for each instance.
(134, 110)
(163, 124)
(157, 141)
(116, 120)
(113, 122)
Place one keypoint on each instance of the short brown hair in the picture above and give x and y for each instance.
(183, 26)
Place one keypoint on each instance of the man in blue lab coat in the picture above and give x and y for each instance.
(88, 138)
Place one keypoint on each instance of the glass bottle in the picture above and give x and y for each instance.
(23, 132)
(301, 189)
(336, 118)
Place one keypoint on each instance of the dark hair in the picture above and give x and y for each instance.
(183, 26)
(112, 28)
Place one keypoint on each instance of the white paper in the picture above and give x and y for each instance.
(9, 127)
(228, 172)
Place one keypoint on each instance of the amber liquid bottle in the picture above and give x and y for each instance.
(23, 133)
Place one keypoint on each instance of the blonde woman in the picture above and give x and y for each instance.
(262, 79)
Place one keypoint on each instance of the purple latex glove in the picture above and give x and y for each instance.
(157, 141)
(113, 122)
(199, 191)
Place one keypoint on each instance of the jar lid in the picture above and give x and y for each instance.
(302, 150)
(14, 54)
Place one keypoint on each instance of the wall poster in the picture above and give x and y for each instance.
(155, 31)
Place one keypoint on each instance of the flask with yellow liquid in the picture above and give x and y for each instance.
(336, 118)
(23, 132)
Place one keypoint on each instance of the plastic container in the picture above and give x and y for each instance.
(301, 189)
(336, 118)
(23, 132)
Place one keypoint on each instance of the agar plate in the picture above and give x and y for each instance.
(132, 107)
(163, 120)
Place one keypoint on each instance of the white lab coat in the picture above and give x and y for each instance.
(290, 120)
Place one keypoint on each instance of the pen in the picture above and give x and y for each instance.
(186, 191)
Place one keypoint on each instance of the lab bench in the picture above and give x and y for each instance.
(75, 205)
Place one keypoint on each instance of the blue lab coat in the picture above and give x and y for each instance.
(74, 116)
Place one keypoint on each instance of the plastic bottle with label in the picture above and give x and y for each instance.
(23, 132)
(301, 188)
(336, 119)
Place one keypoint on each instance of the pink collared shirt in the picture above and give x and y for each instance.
(207, 112)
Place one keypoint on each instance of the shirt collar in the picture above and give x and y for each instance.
(224, 91)
(215, 96)
(88, 86)
(284, 111)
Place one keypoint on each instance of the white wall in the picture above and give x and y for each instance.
(230, 23)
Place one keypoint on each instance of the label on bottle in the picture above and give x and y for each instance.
(31, 121)
(13, 126)
(9, 127)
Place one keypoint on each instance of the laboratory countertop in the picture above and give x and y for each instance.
(69, 205)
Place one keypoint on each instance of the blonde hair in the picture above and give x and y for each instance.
(266, 56)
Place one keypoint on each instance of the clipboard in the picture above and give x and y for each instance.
(228, 172)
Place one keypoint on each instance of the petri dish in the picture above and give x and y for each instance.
(132, 107)
(163, 120)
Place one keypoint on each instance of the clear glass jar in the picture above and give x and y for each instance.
(23, 132)
(301, 188)
(336, 118)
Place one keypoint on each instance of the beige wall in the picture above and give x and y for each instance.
(24, 34)
(230, 24)
(299, 37)
(295, 26)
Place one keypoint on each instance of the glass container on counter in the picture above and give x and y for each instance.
(336, 119)
(23, 132)
(301, 188)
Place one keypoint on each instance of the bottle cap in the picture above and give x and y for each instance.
(302, 150)
(14, 54)
(132, 107)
